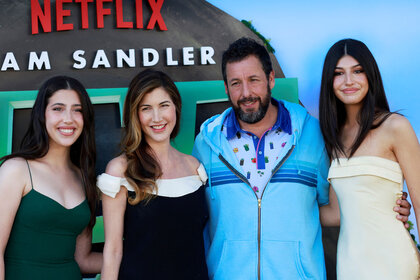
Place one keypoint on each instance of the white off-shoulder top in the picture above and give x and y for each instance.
(111, 185)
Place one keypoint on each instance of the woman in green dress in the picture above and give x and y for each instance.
(47, 189)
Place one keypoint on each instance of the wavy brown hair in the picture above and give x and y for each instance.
(143, 168)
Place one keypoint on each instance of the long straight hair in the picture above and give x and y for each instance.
(332, 113)
(35, 143)
(143, 168)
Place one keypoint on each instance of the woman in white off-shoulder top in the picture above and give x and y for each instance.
(153, 195)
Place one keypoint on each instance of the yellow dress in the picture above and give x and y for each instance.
(372, 244)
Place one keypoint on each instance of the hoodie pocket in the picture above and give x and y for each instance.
(281, 260)
(237, 260)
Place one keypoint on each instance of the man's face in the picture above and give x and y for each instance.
(248, 89)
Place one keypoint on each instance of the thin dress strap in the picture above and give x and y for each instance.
(30, 174)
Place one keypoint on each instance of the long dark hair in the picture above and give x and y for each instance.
(35, 143)
(332, 113)
(142, 166)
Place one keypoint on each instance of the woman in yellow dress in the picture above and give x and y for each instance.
(372, 150)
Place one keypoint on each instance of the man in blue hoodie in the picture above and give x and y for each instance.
(267, 169)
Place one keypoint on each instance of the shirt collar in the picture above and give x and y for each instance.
(283, 121)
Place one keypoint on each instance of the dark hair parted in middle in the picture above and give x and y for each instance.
(332, 113)
(142, 166)
(243, 48)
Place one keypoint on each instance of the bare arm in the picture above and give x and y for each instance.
(13, 181)
(113, 213)
(330, 214)
(88, 261)
(407, 150)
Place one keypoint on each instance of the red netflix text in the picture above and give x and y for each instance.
(42, 15)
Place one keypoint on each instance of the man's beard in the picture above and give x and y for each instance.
(255, 116)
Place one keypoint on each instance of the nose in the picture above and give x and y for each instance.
(246, 91)
(156, 115)
(68, 116)
(349, 79)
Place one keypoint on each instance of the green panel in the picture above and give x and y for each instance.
(10, 100)
(98, 235)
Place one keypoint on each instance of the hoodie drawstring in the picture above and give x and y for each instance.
(212, 196)
(295, 135)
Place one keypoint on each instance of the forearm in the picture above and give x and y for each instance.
(113, 210)
(92, 263)
(111, 262)
(2, 270)
(329, 215)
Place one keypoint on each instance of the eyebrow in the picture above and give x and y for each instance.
(62, 104)
(350, 66)
(252, 76)
(163, 102)
(233, 79)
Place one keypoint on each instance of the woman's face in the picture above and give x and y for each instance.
(350, 82)
(157, 115)
(64, 118)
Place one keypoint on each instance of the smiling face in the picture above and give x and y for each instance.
(157, 115)
(248, 89)
(63, 118)
(350, 82)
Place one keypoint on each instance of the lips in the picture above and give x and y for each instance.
(249, 101)
(66, 131)
(158, 128)
(350, 90)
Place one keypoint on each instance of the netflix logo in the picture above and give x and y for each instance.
(42, 15)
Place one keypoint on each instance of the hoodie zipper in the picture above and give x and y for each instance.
(242, 178)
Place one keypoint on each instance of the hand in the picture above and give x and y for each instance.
(403, 209)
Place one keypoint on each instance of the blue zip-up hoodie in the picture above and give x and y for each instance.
(278, 236)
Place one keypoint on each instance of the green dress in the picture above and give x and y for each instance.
(43, 239)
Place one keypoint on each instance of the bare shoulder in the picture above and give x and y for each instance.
(15, 171)
(191, 162)
(400, 133)
(14, 166)
(398, 125)
(117, 166)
